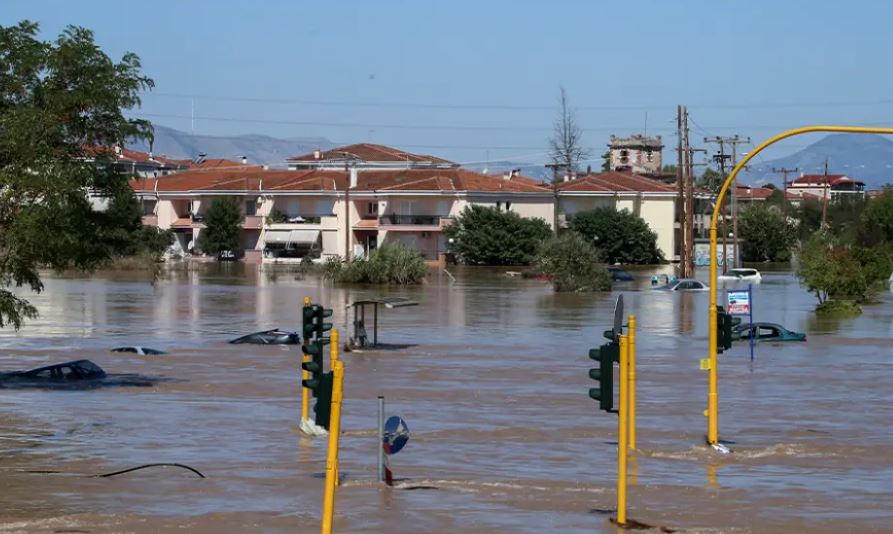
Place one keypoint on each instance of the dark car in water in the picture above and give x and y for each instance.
(78, 374)
(619, 275)
(269, 337)
(766, 332)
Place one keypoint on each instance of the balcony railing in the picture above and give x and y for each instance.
(421, 220)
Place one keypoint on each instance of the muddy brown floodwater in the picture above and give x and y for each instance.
(494, 390)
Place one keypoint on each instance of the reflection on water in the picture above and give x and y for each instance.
(493, 381)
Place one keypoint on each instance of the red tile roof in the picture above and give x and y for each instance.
(616, 182)
(368, 152)
(818, 179)
(243, 178)
(126, 155)
(443, 180)
(217, 163)
(746, 192)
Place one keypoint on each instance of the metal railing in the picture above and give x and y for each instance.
(425, 220)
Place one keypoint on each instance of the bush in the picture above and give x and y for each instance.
(388, 264)
(487, 236)
(839, 273)
(767, 235)
(839, 309)
(619, 236)
(572, 264)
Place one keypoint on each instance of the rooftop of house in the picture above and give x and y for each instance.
(368, 152)
(126, 155)
(243, 178)
(820, 179)
(616, 182)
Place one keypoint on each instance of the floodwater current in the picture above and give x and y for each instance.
(493, 385)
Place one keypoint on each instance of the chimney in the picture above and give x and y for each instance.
(588, 170)
(353, 177)
(317, 154)
(244, 160)
(507, 175)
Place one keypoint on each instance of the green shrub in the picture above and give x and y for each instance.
(572, 264)
(838, 309)
(488, 236)
(767, 235)
(619, 236)
(388, 264)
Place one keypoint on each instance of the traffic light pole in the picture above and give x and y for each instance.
(622, 431)
(712, 395)
(305, 375)
(328, 503)
(632, 382)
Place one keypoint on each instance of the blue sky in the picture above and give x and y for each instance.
(474, 81)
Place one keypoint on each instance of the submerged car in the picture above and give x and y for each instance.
(685, 284)
(766, 332)
(142, 351)
(269, 337)
(619, 275)
(78, 374)
(741, 275)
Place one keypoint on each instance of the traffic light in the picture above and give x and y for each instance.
(314, 324)
(314, 349)
(605, 355)
(323, 407)
(724, 323)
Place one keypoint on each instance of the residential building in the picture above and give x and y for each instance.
(650, 199)
(831, 186)
(136, 163)
(367, 156)
(638, 154)
(329, 213)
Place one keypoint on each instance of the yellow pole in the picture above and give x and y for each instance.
(712, 394)
(328, 503)
(305, 375)
(622, 431)
(632, 382)
(333, 355)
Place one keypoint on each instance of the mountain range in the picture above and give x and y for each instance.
(260, 149)
(864, 157)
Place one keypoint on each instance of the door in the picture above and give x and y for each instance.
(371, 242)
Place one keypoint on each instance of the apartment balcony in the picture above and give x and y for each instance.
(298, 222)
(412, 223)
(253, 222)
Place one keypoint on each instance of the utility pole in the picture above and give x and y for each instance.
(825, 187)
(733, 141)
(680, 202)
(689, 206)
(784, 171)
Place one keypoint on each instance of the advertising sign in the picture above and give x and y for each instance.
(739, 302)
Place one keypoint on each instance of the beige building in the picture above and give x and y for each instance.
(638, 154)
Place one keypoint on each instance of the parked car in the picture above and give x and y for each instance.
(685, 284)
(269, 337)
(619, 275)
(226, 255)
(742, 275)
(766, 332)
(142, 351)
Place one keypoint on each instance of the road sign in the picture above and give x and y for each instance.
(739, 302)
(618, 318)
(396, 434)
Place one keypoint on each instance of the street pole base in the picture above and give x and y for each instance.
(632, 524)
(312, 429)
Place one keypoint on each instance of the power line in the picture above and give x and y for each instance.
(514, 107)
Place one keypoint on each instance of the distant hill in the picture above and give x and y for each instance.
(257, 148)
(864, 157)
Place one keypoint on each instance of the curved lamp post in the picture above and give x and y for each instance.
(712, 398)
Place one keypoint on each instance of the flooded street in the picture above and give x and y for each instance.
(493, 386)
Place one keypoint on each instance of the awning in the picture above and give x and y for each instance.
(293, 237)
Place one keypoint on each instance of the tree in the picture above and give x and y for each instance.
(619, 236)
(488, 236)
(62, 103)
(710, 180)
(223, 222)
(809, 217)
(391, 263)
(668, 169)
(606, 162)
(766, 233)
(565, 143)
(876, 222)
(572, 264)
(832, 271)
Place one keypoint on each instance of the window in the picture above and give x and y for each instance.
(508, 206)
(499, 206)
(372, 208)
(148, 206)
(250, 208)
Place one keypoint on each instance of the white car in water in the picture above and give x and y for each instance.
(741, 275)
(685, 285)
